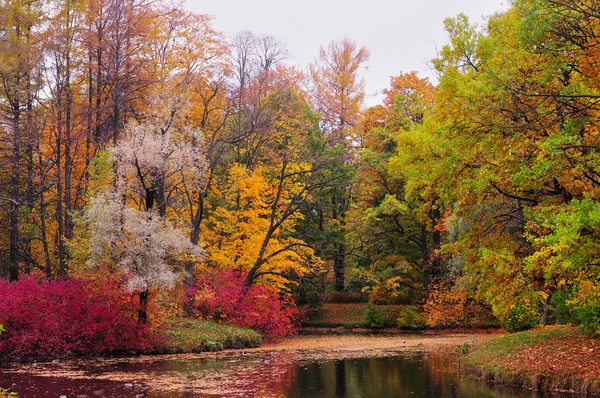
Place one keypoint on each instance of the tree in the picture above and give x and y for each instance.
(139, 238)
(394, 246)
(253, 225)
(20, 67)
(338, 94)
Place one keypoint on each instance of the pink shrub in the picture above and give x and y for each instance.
(67, 317)
(220, 296)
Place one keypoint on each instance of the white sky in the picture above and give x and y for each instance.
(401, 35)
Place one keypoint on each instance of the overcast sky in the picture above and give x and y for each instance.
(401, 35)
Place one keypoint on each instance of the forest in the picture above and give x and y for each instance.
(153, 169)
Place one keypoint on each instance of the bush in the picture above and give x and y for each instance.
(589, 319)
(411, 318)
(372, 317)
(445, 306)
(68, 317)
(222, 296)
(520, 318)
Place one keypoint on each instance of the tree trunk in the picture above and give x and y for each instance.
(338, 267)
(15, 236)
(190, 277)
(143, 311)
(425, 254)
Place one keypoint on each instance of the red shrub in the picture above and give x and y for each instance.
(50, 319)
(220, 296)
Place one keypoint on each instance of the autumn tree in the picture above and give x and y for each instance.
(508, 149)
(21, 63)
(253, 225)
(394, 247)
(337, 93)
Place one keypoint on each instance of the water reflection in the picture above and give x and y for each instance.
(431, 375)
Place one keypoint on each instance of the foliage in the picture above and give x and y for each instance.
(251, 236)
(372, 317)
(411, 318)
(520, 318)
(515, 170)
(445, 305)
(449, 305)
(68, 317)
(6, 393)
(589, 318)
(222, 296)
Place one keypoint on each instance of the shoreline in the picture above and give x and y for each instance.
(552, 359)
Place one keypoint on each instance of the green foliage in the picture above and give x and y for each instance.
(2, 329)
(559, 306)
(588, 317)
(520, 318)
(372, 317)
(411, 318)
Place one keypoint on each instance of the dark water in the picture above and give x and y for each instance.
(262, 375)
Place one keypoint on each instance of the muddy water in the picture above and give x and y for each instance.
(263, 373)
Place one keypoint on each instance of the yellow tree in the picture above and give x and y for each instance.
(253, 226)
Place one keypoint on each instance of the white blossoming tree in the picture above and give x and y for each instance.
(128, 224)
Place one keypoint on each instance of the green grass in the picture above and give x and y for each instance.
(510, 344)
(192, 335)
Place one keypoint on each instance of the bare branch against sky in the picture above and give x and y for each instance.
(402, 35)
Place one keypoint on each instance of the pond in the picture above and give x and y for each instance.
(265, 373)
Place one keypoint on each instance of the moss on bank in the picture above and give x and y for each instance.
(192, 335)
(557, 358)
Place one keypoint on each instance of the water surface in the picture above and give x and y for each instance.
(264, 374)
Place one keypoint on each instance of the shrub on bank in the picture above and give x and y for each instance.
(449, 306)
(222, 296)
(68, 317)
(411, 318)
(372, 317)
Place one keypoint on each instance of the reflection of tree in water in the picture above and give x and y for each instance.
(340, 379)
(431, 375)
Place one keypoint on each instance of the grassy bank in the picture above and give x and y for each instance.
(557, 358)
(191, 335)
